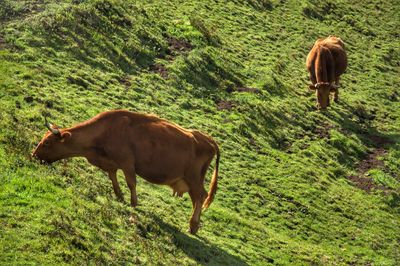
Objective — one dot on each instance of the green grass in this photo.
(283, 197)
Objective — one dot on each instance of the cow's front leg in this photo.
(130, 176)
(112, 174)
(336, 95)
(109, 167)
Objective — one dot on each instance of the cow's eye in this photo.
(46, 143)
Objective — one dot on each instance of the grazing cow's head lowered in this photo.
(322, 92)
(54, 145)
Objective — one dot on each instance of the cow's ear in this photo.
(312, 87)
(65, 136)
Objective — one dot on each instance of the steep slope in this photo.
(290, 189)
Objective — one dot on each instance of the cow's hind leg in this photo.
(198, 196)
(112, 174)
(130, 176)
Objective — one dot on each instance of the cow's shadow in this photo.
(199, 249)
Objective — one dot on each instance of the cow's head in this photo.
(322, 92)
(54, 145)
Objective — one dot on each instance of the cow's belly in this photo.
(162, 165)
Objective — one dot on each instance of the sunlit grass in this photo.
(283, 195)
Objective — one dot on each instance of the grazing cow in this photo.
(157, 150)
(326, 61)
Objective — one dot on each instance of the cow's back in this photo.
(338, 55)
(337, 49)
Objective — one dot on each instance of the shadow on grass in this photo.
(362, 128)
(199, 249)
(358, 121)
(394, 201)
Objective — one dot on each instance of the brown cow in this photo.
(157, 150)
(326, 61)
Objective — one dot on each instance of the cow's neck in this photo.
(83, 138)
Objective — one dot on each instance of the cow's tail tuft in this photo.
(214, 180)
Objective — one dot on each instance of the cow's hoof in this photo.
(194, 227)
(193, 230)
(336, 100)
(133, 204)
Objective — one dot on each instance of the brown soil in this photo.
(361, 180)
(323, 131)
(372, 161)
(225, 105)
(245, 89)
(160, 69)
(175, 47)
(379, 141)
(178, 46)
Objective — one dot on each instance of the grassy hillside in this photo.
(297, 186)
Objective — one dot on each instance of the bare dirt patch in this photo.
(379, 141)
(160, 69)
(361, 180)
(226, 105)
(246, 89)
(372, 161)
(323, 131)
(238, 88)
(176, 46)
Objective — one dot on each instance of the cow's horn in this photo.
(50, 127)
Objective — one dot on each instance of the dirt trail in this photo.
(160, 69)
(361, 180)
(226, 105)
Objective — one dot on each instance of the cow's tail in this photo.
(214, 180)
